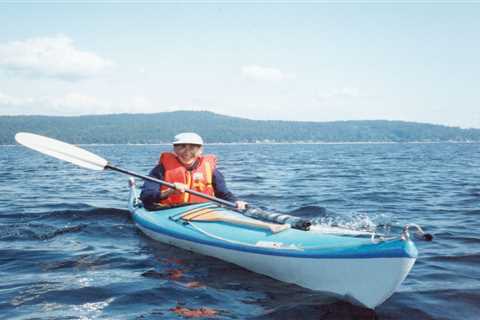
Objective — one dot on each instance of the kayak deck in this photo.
(290, 242)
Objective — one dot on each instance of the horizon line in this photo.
(238, 117)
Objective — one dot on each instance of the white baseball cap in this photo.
(187, 138)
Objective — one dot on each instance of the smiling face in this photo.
(187, 153)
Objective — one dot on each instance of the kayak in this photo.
(364, 271)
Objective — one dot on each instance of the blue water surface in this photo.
(69, 250)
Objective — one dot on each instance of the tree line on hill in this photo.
(216, 128)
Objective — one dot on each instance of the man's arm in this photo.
(151, 190)
(220, 187)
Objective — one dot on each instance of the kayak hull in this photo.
(352, 269)
(368, 282)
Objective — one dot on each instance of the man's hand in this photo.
(180, 187)
(241, 205)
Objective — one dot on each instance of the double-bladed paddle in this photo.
(86, 159)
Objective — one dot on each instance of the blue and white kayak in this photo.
(362, 270)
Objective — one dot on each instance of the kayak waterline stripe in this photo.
(393, 249)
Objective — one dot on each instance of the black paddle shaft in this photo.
(171, 185)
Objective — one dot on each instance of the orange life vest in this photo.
(198, 178)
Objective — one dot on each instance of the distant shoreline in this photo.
(269, 143)
(160, 128)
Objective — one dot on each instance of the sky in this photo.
(265, 61)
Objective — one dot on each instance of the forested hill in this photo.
(161, 127)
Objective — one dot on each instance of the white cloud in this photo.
(76, 103)
(264, 73)
(52, 57)
(71, 104)
(68, 104)
(6, 100)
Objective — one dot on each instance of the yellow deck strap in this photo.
(214, 215)
(190, 215)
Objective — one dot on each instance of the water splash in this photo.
(379, 223)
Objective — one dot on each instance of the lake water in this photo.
(69, 250)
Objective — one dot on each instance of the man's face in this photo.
(187, 152)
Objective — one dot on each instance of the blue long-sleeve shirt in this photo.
(151, 191)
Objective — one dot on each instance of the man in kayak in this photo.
(186, 168)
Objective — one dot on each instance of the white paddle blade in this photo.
(61, 150)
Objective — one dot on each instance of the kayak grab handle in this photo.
(419, 233)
